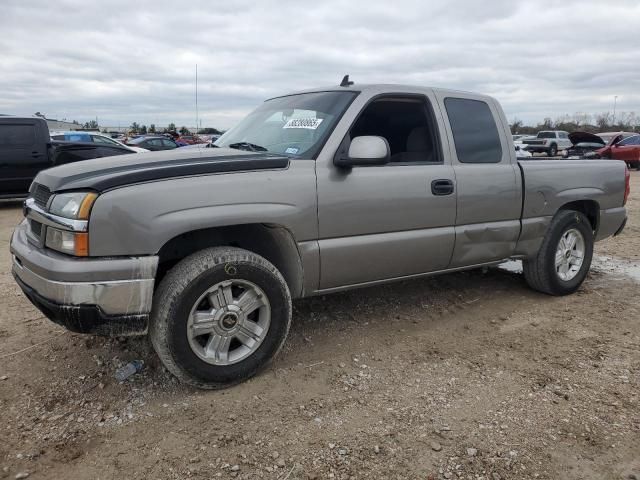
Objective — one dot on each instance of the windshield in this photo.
(296, 125)
(546, 134)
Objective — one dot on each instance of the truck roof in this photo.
(14, 118)
(381, 88)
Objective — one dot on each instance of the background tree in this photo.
(134, 127)
(547, 124)
(171, 127)
(209, 131)
(152, 128)
(580, 118)
(184, 130)
(516, 125)
(603, 120)
(143, 129)
(92, 125)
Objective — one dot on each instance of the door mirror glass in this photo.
(366, 150)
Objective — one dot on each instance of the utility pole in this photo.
(196, 132)
(615, 101)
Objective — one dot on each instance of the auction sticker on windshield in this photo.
(308, 123)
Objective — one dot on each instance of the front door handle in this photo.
(442, 187)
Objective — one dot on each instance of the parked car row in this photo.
(26, 148)
(610, 145)
(92, 137)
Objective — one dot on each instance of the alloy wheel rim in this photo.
(569, 254)
(228, 322)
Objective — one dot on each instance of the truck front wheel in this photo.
(564, 258)
(219, 316)
(553, 150)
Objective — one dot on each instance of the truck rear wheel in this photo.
(219, 316)
(564, 258)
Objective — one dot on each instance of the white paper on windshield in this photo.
(307, 123)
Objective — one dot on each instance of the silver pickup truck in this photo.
(312, 193)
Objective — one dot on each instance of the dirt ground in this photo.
(469, 375)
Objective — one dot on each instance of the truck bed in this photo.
(551, 184)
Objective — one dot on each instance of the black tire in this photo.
(183, 286)
(540, 271)
(553, 150)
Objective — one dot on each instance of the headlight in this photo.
(72, 243)
(74, 205)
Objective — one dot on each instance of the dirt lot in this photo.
(470, 375)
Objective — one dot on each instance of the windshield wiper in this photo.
(252, 147)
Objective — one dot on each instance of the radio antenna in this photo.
(345, 81)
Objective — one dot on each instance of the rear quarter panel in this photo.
(550, 184)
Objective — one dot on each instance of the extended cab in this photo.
(549, 142)
(26, 148)
(312, 193)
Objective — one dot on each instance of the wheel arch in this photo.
(271, 241)
(590, 209)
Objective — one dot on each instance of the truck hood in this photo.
(111, 172)
(584, 137)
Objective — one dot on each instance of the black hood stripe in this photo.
(113, 177)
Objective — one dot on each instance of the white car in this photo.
(95, 137)
(549, 142)
(520, 138)
(522, 153)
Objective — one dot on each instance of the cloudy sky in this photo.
(126, 61)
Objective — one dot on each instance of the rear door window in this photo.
(15, 134)
(474, 129)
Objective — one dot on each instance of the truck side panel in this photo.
(551, 184)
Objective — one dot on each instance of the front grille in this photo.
(41, 195)
(36, 228)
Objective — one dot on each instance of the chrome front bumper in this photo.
(115, 286)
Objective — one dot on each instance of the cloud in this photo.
(125, 62)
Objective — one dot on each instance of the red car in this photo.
(627, 149)
(190, 139)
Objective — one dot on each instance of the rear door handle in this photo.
(36, 154)
(442, 187)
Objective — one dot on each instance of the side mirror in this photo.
(365, 150)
